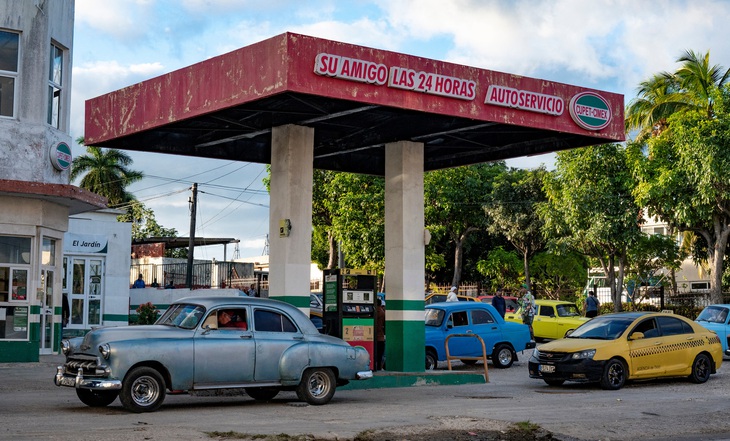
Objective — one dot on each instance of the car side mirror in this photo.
(636, 336)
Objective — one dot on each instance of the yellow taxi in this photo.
(614, 348)
(553, 319)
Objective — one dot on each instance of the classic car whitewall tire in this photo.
(143, 390)
(317, 386)
(97, 398)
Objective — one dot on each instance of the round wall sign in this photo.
(61, 156)
(590, 111)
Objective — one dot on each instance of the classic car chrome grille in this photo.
(88, 364)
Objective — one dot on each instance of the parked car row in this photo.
(265, 346)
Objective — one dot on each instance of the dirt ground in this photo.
(450, 429)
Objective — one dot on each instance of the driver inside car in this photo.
(232, 319)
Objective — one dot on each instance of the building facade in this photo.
(36, 38)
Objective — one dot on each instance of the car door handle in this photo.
(246, 336)
(658, 343)
(298, 337)
(691, 337)
(494, 328)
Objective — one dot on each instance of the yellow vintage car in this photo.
(553, 319)
(614, 348)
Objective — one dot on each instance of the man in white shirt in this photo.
(451, 296)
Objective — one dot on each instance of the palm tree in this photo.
(666, 93)
(106, 173)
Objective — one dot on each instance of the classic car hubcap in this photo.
(505, 355)
(318, 384)
(145, 391)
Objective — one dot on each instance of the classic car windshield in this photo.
(713, 314)
(434, 317)
(567, 311)
(603, 328)
(182, 315)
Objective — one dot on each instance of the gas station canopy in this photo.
(357, 99)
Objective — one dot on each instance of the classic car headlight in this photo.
(587, 354)
(105, 350)
(65, 347)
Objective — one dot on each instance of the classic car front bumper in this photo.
(79, 382)
(364, 375)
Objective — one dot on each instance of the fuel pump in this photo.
(349, 307)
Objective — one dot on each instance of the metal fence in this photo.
(205, 275)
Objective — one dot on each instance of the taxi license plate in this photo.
(546, 368)
(68, 381)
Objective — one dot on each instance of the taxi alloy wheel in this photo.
(701, 369)
(614, 375)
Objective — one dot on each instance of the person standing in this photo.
(591, 304)
(451, 296)
(379, 335)
(252, 291)
(65, 311)
(139, 283)
(528, 306)
(499, 303)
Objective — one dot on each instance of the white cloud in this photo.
(119, 18)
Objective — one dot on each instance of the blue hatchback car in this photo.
(716, 318)
(502, 339)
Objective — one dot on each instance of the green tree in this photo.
(145, 226)
(591, 210)
(559, 274)
(324, 246)
(356, 204)
(512, 212)
(502, 268)
(454, 199)
(683, 178)
(106, 173)
(650, 257)
(664, 94)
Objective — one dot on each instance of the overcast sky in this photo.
(602, 44)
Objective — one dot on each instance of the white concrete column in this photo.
(292, 150)
(405, 256)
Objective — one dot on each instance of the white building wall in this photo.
(26, 139)
(115, 303)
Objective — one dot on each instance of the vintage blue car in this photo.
(501, 339)
(205, 343)
(717, 318)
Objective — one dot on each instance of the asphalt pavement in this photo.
(33, 408)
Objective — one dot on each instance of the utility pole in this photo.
(191, 244)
